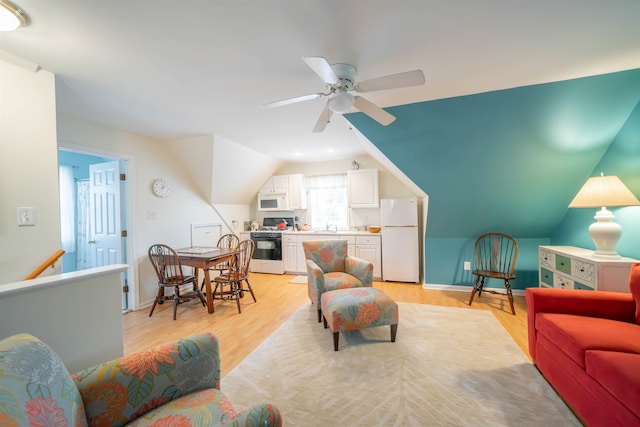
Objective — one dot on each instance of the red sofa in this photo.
(587, 345)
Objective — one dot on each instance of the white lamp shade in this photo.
(603, 191)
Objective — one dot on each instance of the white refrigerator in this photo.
(400, 240)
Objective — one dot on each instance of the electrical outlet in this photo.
(467, 265)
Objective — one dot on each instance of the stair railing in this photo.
(48, 263)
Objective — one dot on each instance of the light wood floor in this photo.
(240, 334)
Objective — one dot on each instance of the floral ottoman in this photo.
(358, 308)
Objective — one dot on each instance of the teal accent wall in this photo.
(623, 160)
(511, 161)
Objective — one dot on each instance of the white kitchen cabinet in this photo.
(295, 262)
(568, 267)
(277, 184)
(289, 253)
(369, 249)
(297, 192)
(363, 188)
(301, 261)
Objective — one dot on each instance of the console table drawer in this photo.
(563, 264)
(569, 267)
(585, 272)
(546, 276)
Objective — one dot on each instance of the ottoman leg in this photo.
(319, 315)
(336, 338)
(324, 320)
(394, 330)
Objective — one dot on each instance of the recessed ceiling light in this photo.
(11, 16)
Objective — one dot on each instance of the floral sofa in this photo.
(329, 267)
(175, 384)
(587, 345)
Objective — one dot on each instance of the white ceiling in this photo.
(172, 69)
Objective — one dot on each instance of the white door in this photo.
(104, 207)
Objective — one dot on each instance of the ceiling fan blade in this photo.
(373, 111)
(321, 68)
(324, 118)
(293, 100)
(392, 81)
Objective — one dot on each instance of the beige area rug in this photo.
(448, 367)
(299, 279)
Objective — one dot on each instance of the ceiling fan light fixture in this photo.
(341, 102)
(11, 16)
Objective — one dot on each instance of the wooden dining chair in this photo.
(226, 241)
(168, 268)
(229, 283)
(495, 255)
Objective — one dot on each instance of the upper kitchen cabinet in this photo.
(363, 188)
(277, 184)
(297, 192)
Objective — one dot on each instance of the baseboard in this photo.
(464, 288)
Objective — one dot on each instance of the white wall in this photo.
(389, 187)
(77, 314)
(190, 168)
(226, 173)
(28, 170)
(155, 220)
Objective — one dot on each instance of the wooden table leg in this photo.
(207, 282)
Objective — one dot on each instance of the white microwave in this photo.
(273, 202)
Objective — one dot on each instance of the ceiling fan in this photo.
(340, 80)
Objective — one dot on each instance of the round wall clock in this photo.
(161, 188)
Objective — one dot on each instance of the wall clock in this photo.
(161, 188)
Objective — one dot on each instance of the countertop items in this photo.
(338, 233)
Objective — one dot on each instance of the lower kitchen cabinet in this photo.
(370, 248)
(301, 263)
(569, 267)
(289, 253)
(365, 247)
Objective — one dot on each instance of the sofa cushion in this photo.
(634, 287)
(576, 334)
(619, 373)
(35, 387)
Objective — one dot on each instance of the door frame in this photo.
(128, 197)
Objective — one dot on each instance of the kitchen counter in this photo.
(339, 233)
(361, 244)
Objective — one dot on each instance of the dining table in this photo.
(205, 258)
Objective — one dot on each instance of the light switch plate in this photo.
(26, 216)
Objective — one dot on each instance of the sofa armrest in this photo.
(119, 391)
(359, 268)
(315, 280)
(608, 305)
(263, 415)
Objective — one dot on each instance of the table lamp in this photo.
(602, 191)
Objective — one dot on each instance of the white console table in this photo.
(569, 267)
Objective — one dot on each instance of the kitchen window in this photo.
(327, 202)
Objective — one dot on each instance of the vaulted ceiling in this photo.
(178, 69)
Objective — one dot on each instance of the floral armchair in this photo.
(330, 268)
(175, 384)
